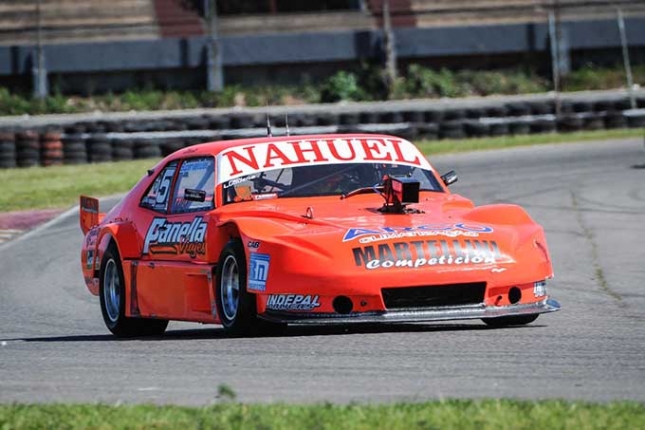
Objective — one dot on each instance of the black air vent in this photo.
(434, 295)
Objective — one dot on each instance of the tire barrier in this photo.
(74, 148)
(122, 150)
(147, 149)
(27, 148)
(99, 148)
(7, 150)
(105, 140)
(51, 149)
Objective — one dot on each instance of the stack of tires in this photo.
(28, 148)
(99, 148)
(147, 149)
(74, 150)
(122, 150)
(7, 150)
(51, 149)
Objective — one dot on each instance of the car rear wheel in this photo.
(112, 297)
(508, 321)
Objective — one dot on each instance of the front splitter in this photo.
(444, 313)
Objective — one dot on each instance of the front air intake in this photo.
(434, 295)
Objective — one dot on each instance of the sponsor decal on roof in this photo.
(245, 160)
(258, 271)
(368, 235)
(176, 238)
(420, 253)
(292, 302)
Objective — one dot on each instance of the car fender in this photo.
(507, 214)
(125, 238)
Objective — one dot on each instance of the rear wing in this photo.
(89, 213)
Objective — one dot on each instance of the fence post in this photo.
(628, 66)
(39, 71)
(555, 61)
(214, 72)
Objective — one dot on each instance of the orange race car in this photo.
(322, 229)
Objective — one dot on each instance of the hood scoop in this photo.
(398, 193)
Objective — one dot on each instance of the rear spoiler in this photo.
(89, 213)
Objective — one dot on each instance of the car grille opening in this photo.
(434, 295)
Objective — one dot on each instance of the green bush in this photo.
(367, 83)
(424, 82)
(341, 86)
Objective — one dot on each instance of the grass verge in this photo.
(449, 414)
(60, 186)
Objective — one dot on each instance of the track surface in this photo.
(54, 347)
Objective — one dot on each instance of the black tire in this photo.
(542, 126)
(112, 298)
(348, 118)
(235, 306)
(241, 121)
(452, 130)
(327, 119)
(518, 109)
(219, 123)
(519, 127)
(510, 321)
(391, 117)
(302, 120)
(541, 108)
(615, 119)
(414, 116)
(496, 111)
(147, 150)
(8, 163)
(368, 117)
(498, 129)
(243, 320)
(476, 128)
(454, 114)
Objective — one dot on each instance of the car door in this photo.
(175, 238)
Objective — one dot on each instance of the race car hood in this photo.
(443, 231)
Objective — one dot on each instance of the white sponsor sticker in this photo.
(245, 160)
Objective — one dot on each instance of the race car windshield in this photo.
(321, 180)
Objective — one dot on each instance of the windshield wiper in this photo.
(378, 189)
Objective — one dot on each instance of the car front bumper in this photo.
(444, 313)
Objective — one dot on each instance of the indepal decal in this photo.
(293, 302)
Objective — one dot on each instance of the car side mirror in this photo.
(449, 178)
(193, 195)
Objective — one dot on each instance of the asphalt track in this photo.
(590, 198)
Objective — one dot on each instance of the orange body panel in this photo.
(314, 249)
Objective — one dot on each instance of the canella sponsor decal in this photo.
(246, 160)
(292, 302)
(421, 253)
(176, 238)
(368, 235)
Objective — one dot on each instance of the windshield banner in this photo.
(248, 159)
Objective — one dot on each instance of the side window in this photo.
(195, 186)
(157, 196)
